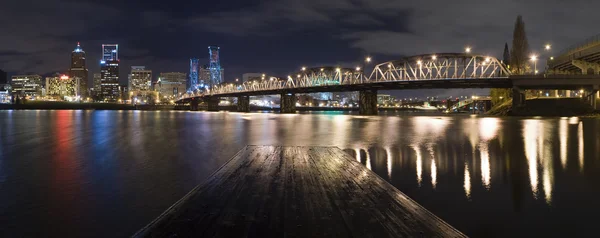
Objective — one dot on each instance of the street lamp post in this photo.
(534, 59)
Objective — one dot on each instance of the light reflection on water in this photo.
(119, 170)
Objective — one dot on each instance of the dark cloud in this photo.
(275, 36)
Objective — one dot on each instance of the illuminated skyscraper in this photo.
(62, 86)
(110, 52)
(216, 73)
(109, 73)
(192, 83)
(140, 79)
(97, 84)
(79, 70)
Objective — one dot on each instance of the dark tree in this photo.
(506, 56)
(520, 48)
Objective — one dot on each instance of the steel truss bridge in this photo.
(421, 71)
(428, 71)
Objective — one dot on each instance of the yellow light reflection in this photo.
(357, 155)
(388, 152)
(580, 144)
(563, 135)
(433, 173)
(573, 120)
(419, 164)
(530, 131)
(485, 165)
(488, 128)
(467, 184)
(368, 159)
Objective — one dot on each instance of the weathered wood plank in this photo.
(273, 191)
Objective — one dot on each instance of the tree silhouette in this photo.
(520, 48)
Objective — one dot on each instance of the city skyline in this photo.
(269, 43)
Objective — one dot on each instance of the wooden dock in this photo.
(274, 191)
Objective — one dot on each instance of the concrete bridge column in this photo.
(593, 98)
(194, 104)
(288, 103)
(212, 104)
(243, 104)
(586, 67)
(367, 102)
(518, 96)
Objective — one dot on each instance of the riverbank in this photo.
(46, 105)
(545, 107)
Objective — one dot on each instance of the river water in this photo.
(109, 173)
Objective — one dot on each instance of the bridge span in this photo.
(430, 71)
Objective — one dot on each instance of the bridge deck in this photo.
(267, 191)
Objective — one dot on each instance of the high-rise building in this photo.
(109, 78)
(27, 85)
(109, 73)
(216, 72)
(3, 77)
(140, 78)
(110, 52)
(79, 70)
(193, 83)
(96, 84)
(169, 90)
(204, 76)
(63, 86)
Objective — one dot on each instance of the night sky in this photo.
(276, 36)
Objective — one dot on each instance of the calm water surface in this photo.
(109, 173)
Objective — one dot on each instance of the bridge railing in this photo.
(594, 40)
(423, 67)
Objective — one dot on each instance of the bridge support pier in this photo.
(586, 67)
(518, 96)
(194, 104)
(367, 102)
(243, 104)
(593, 98)
(212, 104)
(288, 103)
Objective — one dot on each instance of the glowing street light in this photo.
(357, 68)
(434, 57)
(487, 59)
(322, 69)
(368, 59)
(303, 68)
(547, 47)
(419, 62)
(237, 80)
(337, 70)
(551, 57)
(534, 59)
(468, 49)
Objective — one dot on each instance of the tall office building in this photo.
(110, 52)
(63, 86)
(3, 77)
(96, 84)
(140, 79)
(109, 73)
(193, 83)
(27, 85)
(79, 70)
(216, 72)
